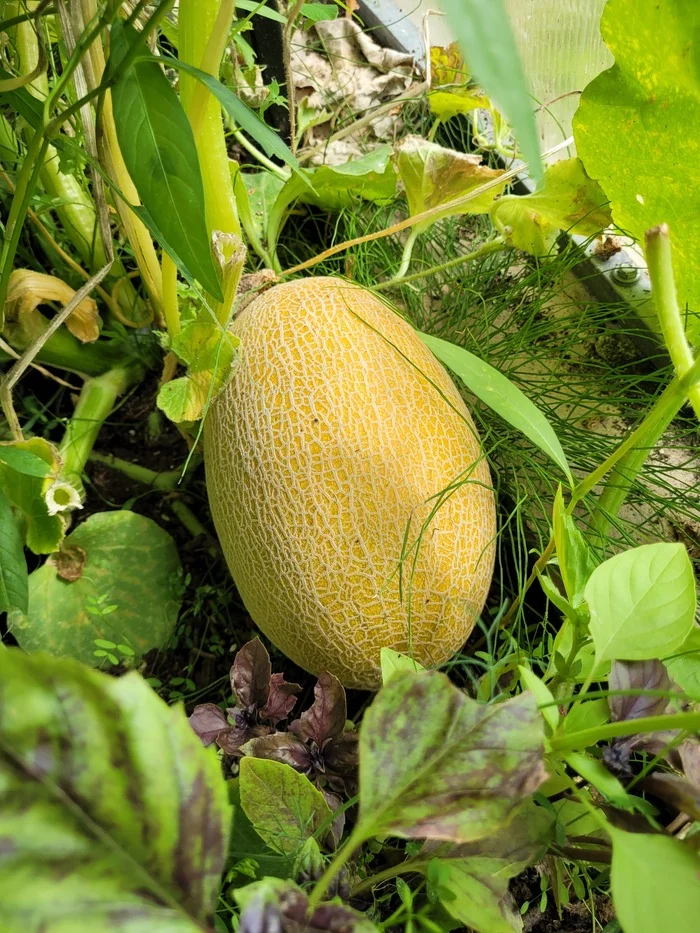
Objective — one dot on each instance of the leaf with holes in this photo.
(128, 593)
(157, 143)
(501, 396)
(642, 602)
(93, 835)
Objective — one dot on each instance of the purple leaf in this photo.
(637, 675)
(341, 759)
(250, 675)
(232, 739)
(281, 700)
(676, 790)
(208, 721)
(689, 752)
(336, 918)
(338, 824)
(280, 746)
(325, 719)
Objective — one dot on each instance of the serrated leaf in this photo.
(436, 764)
(684, 664)
(43, 531)
(633, 130)
(283, 806)
(129, 559)
(112, 815)
(158, 147)
(501, 396)
(432, 175)
(333, 187)
(485, 36)
(566, 199)
(642, 602)
(655, 882)
(13, 567)
(393, 662)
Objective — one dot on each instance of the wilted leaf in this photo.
(28, 289)
(436, 764)
(684, 664)
(501, 395)
(432, 175)
(43, 529)
(13, 566)
(325, 718)
(69, 562)
(94, 835)
(283, 805)
(575, 555)
(129, 592)
(208, 353)
(333, 187)
(208, 721)
(447, 104)
(447, 65)
(566, 199)
(632, 130)
(638, 675)
(642, 602)
(393, 662)
(654, 883)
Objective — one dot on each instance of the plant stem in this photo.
(405, 257)
(491, 246)
(95, 404)
(404, 868)
(190, 521)
(257, 154)
(665, 298)
(204, 26)
(169, 295)
(352, 844)
(612, 730)
(166, 482)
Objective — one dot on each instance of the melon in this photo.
(347, 484)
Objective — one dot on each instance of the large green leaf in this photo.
(501, 395)
(112, 815)
(655, 883)
(23, 461)
(635, 129)
(283, 806)
(436, 764)
(642, 602)
(14, 586)
(371, 178)
(128, 591)
(566, 199)
(489, 48)
(157, 143)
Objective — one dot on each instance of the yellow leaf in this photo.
(28, 289)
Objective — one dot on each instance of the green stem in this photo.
(165, 482)
(663, 293)
(612, 730)
(26, 183)
(95, 404)
(256, 153)
(352, 844)
(491, 246)
(190, 521)
(404, 868)
(405, 257)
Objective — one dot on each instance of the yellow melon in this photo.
(347, 484)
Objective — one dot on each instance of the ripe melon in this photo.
(348, 488)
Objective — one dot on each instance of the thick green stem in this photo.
(613, 730)
(95, 404)
(165, 482)
(352, 844)
(663, 293)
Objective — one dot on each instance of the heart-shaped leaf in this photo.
(112, 815)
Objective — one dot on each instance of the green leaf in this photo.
(475, 897)
(501, 396)
(255, 193)
(489, 47)
(13, 567)
(432, 175)
(648, 103)
(318, 12)
(112, 815)
(436, 764)
(393, 662)
(447, 104)
(283, 806)
(642, 602)
(333, 187)
(23, 461)
(655, 883)
(131, 562)
(565, 199)
(595, 772)
(43, 532)
(157, 143)
(245, 843)
(553, 595)
(684, 664)
(542, 694)
(259, 8)
(563, 643)
(587, 715)
(208, 353)
(576, 558)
